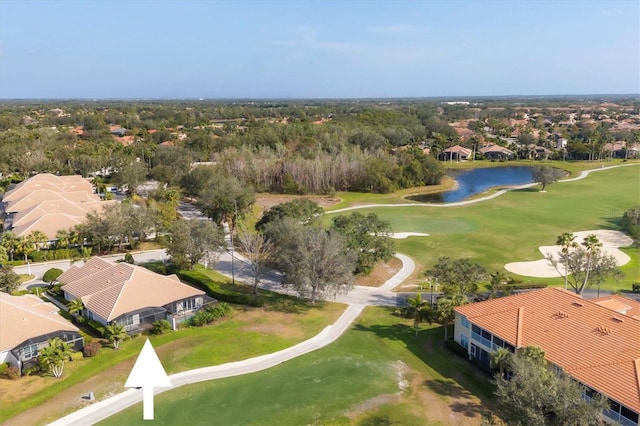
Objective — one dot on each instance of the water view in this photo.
(476, 181)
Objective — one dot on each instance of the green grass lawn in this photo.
(329, 386)
(510, 228)
(230, 340)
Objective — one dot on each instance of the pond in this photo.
(476, 181)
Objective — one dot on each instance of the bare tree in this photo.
(258, 249)
(586, 266)
(316, 262)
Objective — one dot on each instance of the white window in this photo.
(189, 304)
(30, 351)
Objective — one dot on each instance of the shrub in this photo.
(128, 258)
(159, 327)
(51, 275)
(210, 313)
(76, 356)
(635, 287)
(456, 348)
(3, 367)
(13, 373)
(91, 349)
(34, 369)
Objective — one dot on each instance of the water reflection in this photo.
(476, 181)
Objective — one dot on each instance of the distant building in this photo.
(455, 153)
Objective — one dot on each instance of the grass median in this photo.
(378, 372)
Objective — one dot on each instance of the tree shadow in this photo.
(532, 189)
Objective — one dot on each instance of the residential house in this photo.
(618, 149)
(130, 295)
(456, 152)
(117, 130)
(49, 203)
(596, 342)
(26, 325)
(496, 152)
(536, 152)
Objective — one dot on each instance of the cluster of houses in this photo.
(596, 342)
(119, 293)
(49, 203)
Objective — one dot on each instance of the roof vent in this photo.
(616, 319)
(562, 314)
(604, 331)
(578, 304)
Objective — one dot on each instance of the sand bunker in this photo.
(403, 235)
(610, 240)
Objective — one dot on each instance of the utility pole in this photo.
(233, 226)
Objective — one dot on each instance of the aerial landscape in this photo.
(360, 213)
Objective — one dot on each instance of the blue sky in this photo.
(317, 49)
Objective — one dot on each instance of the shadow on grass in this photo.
(534, 189)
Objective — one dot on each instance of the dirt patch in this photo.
(381, 273)
(266, 201)
(280, 323)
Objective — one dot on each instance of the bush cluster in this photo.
(13, 373)
(91, 349)
(159, 327)
(210, 314)
(60, 254)
(3, 367)
(34, 369)
(76, 356)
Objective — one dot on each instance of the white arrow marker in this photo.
(147, 373)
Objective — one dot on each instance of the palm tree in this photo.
(445, 307)
(501, 360)
(592, 246)
(419, 310)
(116, 334)
(75, 307)
(10, 243)
(39, 238)
(62, 239)
(26, 246)
(566, 240)
(55, 355)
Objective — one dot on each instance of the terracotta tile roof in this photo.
(619, 303)
(111, 290)
(26, 317)
(496, 148)
(458, 148)
(594, 344)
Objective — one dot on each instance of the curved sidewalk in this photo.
(104, 409)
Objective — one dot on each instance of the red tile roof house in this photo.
(130, 295)
(596, 342)
(456, 152)
(26, 325)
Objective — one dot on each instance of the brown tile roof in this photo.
(594, 344)
(115, 289)
(47, 181)
(36, 197)
(26, 317)
(496, 148)
(620, 303)
(458, 148)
